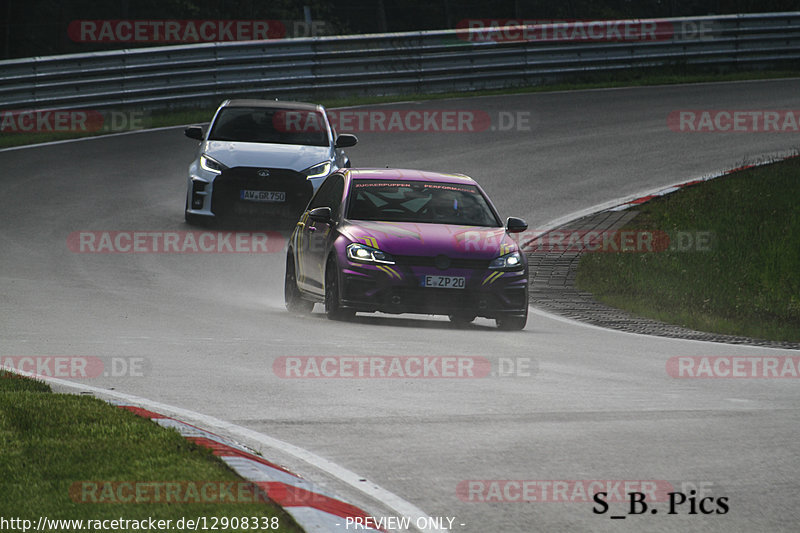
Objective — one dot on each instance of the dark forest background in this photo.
(39, 27)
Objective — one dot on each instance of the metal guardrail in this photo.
(382, 64)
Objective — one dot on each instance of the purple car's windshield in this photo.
(270, 125)
(419, 201)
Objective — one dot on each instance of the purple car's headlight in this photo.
(362, 253)
(512, 261)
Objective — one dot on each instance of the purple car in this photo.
(406, 241)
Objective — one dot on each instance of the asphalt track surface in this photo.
(598, 405)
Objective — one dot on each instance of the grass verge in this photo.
(137, 119)
(52, 443)
(743, 278)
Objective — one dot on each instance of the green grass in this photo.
(49, 442)
(748, 280)
(627, 78)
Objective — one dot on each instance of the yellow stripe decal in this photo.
(491, 278)
(389, 270)
(393, 271)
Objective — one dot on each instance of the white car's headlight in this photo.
(512, 261)
(318, 171)
(367, 254)
(211, 165)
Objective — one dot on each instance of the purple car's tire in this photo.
(333, 307)
(291, 294)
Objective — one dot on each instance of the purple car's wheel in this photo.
(291, 294)
(333, 306)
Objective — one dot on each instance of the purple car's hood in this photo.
(410, 238)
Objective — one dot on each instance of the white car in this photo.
(262, 159)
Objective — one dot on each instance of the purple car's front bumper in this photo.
(397, 288)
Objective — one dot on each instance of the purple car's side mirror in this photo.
(516, 225)
(320, 214)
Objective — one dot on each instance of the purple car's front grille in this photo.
(429, 261)
(432, 298)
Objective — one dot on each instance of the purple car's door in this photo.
(317, 234)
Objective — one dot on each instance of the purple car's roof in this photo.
(406, 175)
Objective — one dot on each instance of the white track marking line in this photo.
(571, 321)
(389, 499)
(88, 138)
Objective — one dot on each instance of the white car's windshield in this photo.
(270, 125)
(420, 201)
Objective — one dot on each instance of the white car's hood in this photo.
(244, 154)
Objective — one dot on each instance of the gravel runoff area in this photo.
(552, 288)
